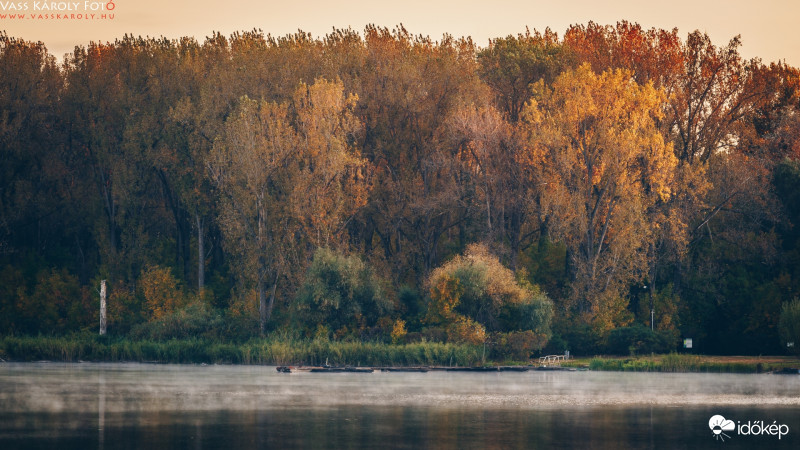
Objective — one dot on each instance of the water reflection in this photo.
(101, 409)
(117, 406)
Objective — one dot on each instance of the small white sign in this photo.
(790, 344)
(687, 343)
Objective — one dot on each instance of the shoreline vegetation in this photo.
(612, 190)
(688, 363)
(316, 352)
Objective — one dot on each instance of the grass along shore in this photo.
(675, 362)
(277, 351)
(288, 351)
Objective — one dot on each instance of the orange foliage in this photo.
(466, 330)
(444, 298)
(609, 165)
(161, 292)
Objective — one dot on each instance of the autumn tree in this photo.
(710, 101)
(607, 166)
(775, 130)
(330, 185)
(725, 116)
(198, 116)
(271, 155)
(215, 75)
(474, 293)
(654, 55)
(503, 181)
(709, 89)
(409, 86)
(38, 188)
(162, 293)
(113, 132)
(167, 76)
(512, 66)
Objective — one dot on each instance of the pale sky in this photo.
(769, 28)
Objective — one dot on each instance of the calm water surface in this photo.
(116, 406)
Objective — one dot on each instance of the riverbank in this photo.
(270, 351)
(675, 362)
(282, 351)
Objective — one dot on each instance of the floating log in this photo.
(349, 369)
(514, 368)
(326, 369)
(342, 369)
(473, 369)
(556, 368)
(404, 369)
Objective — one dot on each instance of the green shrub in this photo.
(605, 364)
(56, 304)
(412, 306)
(556, 345)
(341, 293)
(516, 345)
(638, 339)
(581, 338)
(197, 320)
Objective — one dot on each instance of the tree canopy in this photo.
(256, 182)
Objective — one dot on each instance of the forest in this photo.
(613, 189)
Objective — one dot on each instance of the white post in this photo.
(652, 319)
(102, 307)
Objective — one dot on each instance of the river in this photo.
(120, 406)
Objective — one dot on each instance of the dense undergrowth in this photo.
(277, 350)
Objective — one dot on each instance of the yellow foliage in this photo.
(329, 185)
(466, 330)
(609, 312)
(444, 298)
(287, 171)
(667, 309)
(161, 292)
(501, 284)
(398, 331)
(474, 292)
(609, 171)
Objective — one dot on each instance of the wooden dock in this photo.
(421, 369)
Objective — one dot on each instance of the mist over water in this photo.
(92, 405)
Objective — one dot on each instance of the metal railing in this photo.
(552, 360)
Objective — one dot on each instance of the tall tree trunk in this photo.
(262, 304)
(111, 212)
(271, 303)
(488, 209)
(182, 224)
(201, 253)
(102, 307)
(513, 228)
(187, 246)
